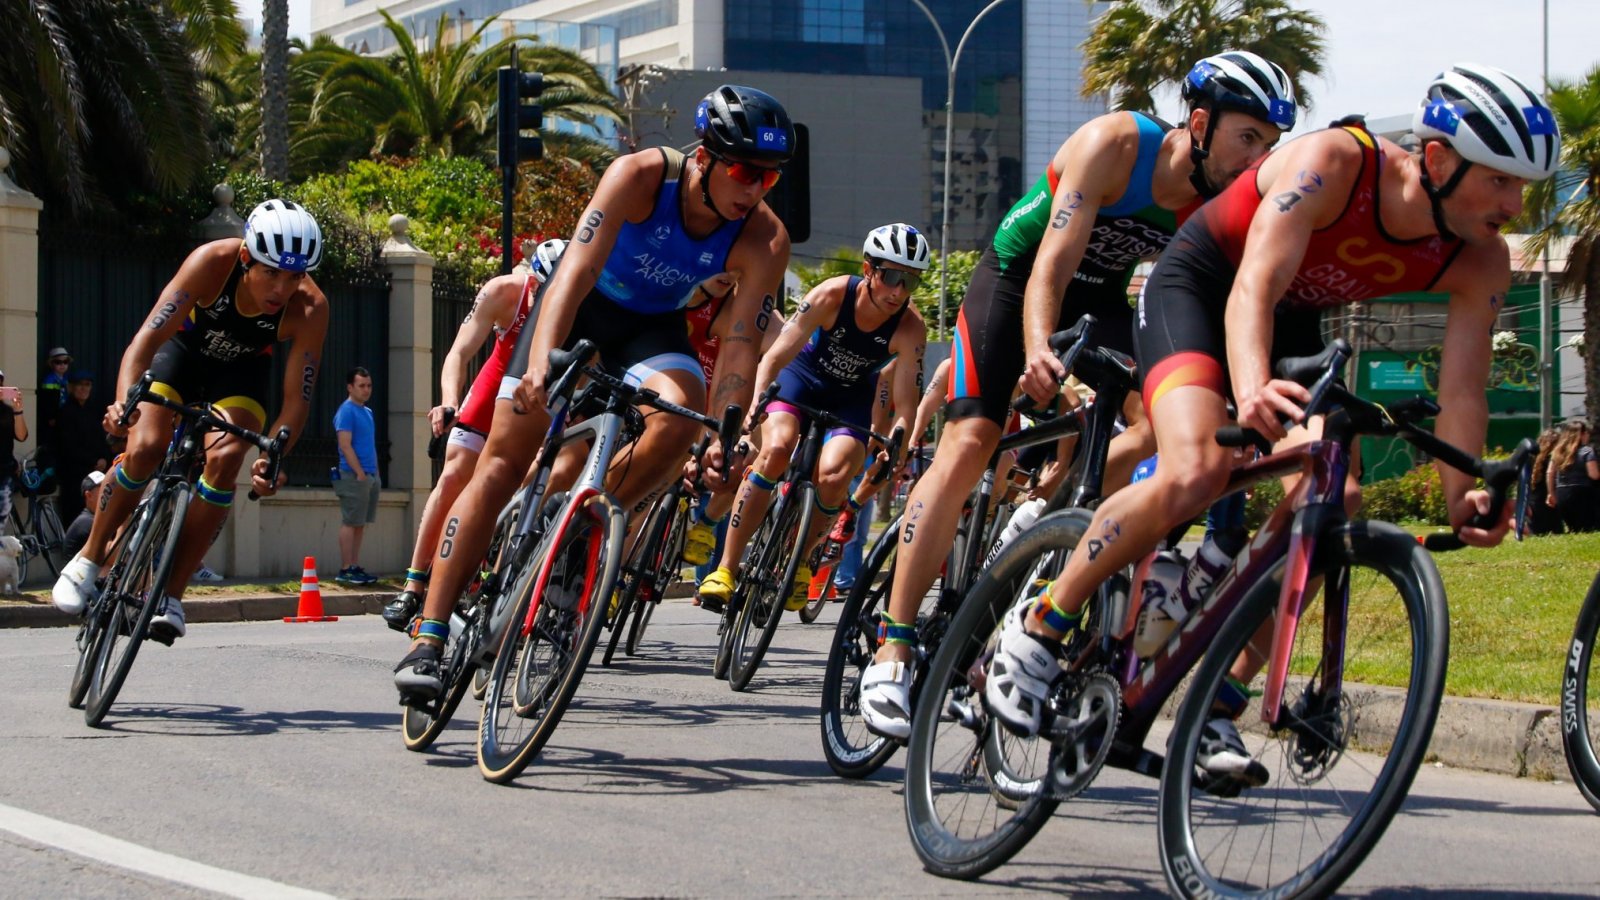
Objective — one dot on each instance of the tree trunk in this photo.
(275, 90)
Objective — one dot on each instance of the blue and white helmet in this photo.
(1244, 82)
(283, 235)
(544, 258)
(897, 243)
(1490, 117)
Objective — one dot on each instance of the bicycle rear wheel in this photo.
(769, 588)
(964, 817)
(1339, 760)
(133, 592)
(1579, 719)
(851, 750)
(637, 573)
(664, 573)
(20, 533)
(52, 538)
(536, 673)
(419, 726)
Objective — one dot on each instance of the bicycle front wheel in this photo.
(537, 669)
(1339, 757)
(769, 589)
(1579, 721)
(133, 591)
(664, 573)
(637, 573)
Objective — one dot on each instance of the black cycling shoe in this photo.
(418, 676)
(399, 612)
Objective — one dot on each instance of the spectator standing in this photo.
(13, 428)
(357, 486)
(1575, 472)
(53, 390)
(79, 443)
(1542, 515)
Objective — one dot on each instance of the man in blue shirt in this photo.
(357, 485)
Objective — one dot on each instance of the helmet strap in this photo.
(1437, 194)
(1200, 151)
(705, 189)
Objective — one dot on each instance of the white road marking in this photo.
(124, 855)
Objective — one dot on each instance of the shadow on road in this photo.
(207, 720)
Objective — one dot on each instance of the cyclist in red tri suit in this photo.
(1335, 217)
(210, 338)
(501, 308)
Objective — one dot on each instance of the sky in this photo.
(1382, 53)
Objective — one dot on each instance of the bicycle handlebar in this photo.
(1068, 345)
(274, 447)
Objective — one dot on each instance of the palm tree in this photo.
(103, 98)
(1140, 45)
(440, 101)
(1574, 194)
(275, 89)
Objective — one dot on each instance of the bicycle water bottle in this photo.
(1021, 520)
(1160, 605)
(458, 625)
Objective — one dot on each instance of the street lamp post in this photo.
(1546, 356)
(950, 63)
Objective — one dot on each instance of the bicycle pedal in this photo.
(162, 635)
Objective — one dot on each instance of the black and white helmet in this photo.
(745, 122)
(1491, 118)
(544, 258)
(1244, 82)
(283, 235)
(897, 243)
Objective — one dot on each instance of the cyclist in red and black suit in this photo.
(1336, 217)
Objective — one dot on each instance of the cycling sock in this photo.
(828, 511)
(892, 632)
(434, 629)
(1232, 698)
(212, 495)
(1054, 617)
(761, 481)
(420, 576)
(128, 483)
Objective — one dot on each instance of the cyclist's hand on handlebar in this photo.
(712, 464)
(530, 393)
(258, 479)
(1261, 409)
(440, 418)
(113, 413)
(1477, 503)
(1043, 375)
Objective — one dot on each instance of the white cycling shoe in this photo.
(1020, 675)
(168, 622)
(75, 586)
(886, 699)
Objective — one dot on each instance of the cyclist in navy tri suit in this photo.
(660, 223)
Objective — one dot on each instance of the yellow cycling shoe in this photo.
(698, 544)
(715, 590)
(799, 591)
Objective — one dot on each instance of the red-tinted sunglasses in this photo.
(748, 174)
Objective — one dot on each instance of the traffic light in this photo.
(515, 116)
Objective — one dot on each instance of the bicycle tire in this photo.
(1577, 740)
(572, 633)
(814, 607)
(949, 708)
(52, 539)
(851, 750)
(636, 571)
(88, 637)
(664, 575)
(19, 531)
(728, 622)
(147, 573)
(1343, 770)
(781, 558)
(420, 727)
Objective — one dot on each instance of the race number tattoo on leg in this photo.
(449, 542)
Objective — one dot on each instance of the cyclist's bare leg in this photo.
(469, 525)
(932, 513)
(839, 461)
(203, 521)
(1193, 472)
(147, 447)
(459, 461)
(779, 435)
(1130, 447)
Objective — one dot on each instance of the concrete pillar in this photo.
(410, 367)
(223, 221)
(19, 293)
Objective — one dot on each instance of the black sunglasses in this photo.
(896, 277)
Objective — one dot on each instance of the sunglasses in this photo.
(896, 277)
(747, 174)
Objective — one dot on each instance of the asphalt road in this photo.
(262, 759)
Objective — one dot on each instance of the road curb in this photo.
(1518, 739)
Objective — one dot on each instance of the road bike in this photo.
(116, 620)
(562, 565)
(39, 530)
(1578, 720)
(1327, 601)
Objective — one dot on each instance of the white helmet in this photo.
(1242, 81)
(544, 258)
(284, 236)
(897, 243)
(1490, 117)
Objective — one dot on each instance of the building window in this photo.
(833, 22)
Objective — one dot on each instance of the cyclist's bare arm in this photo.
(1095, 165)
(909, 345)
(932, 399)
(202, 274)
(495, 308)
(1305, 187)
(819, 309)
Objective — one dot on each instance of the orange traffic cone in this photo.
(310, 596)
